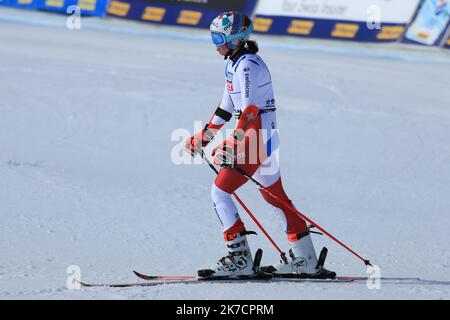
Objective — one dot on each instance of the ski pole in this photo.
(301, 215)
(283, 254)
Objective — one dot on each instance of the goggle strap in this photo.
(239, 35)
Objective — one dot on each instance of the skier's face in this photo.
(222, 50)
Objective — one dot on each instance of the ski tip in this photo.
(143, 276)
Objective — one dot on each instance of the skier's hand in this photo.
(195, 143)
(225, 153)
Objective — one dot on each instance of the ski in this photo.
(162, 278)
(259, 273)
(196, 280)
(293, 277)
(132, 284)
(169, 280)
(259, 276)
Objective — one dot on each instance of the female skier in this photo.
(253, 148)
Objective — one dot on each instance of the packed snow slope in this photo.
(87, 176)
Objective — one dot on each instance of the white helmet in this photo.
(231, 28)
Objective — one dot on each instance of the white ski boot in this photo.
(238, 264)
(302, 262)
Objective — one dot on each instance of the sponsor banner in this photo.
(430, 24)
(390, 11)
(191, 13)
(328, 29)
(361, 20)
(87, 7)
(26, 4)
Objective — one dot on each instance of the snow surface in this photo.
(86, 176)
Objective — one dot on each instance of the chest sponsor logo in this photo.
(247, 85)
(230, 81)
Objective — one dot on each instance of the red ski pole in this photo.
(301, 215)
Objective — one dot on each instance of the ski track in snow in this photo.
(86, 178)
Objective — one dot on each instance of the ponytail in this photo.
(251, 46)
(248, 46)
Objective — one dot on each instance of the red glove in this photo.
(225, 154)
(195, 143)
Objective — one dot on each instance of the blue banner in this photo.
(358, 20)
(25, 4)
(87, 7)
(190, 13)
(328, 29)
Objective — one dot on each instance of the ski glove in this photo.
(195, 143)
(226, 153)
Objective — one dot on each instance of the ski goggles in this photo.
(218, 38)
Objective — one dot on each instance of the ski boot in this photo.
(303, 262)
(238, 264)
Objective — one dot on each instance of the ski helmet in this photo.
(231, 28)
